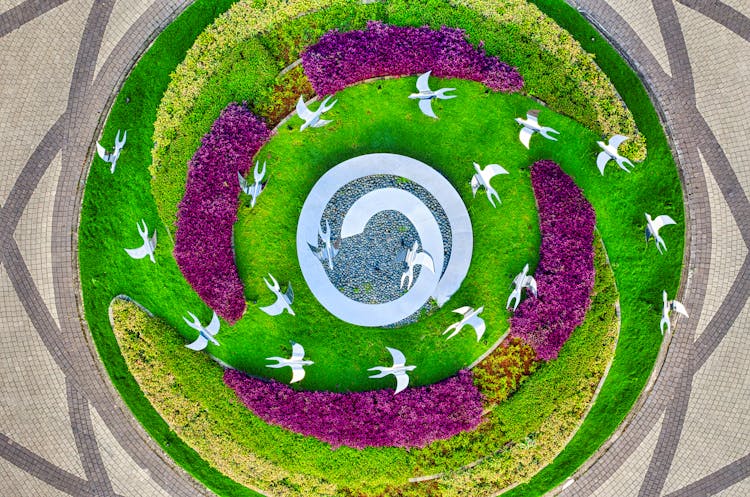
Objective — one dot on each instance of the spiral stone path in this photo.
(65, 431)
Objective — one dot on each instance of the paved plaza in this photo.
(65, 431)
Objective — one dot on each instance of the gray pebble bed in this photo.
(369, 266)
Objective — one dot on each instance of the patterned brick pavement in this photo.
(64, 430)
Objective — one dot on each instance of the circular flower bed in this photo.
(510, 444)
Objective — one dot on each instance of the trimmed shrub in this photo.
(565, 274)
(377, 418)
(206, 215)
(342, 59)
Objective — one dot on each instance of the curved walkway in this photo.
(65, 431)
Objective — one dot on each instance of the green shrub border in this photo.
(153, 71)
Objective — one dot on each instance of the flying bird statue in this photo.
(531, 126)
(330, 248)
(521, 281)
(471, 318)
(313, 119)
(283, 300)
(149, 244)
(412, 258)
(256, 188)
(295, 362)
(426, 96)
(205, 333)
(652, 229)
(609, 152)
(398, 370)
(483, 177)
(667, 307)
(112, 158)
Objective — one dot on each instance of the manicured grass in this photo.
(112, 206)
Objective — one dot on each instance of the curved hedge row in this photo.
(341, 59)
(565, 274)
(376, 418)
(207, 213)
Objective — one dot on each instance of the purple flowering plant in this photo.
(565, 274)
(376, 418)
(341, 59)
(207, 213)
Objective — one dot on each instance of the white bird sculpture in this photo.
(205, 333)
(471, 318)
(330, 249)
(610, 153)
(312, 119)
(112, 158)
(531, 126)
(521, 281)
(149, 244)
(652, 229)
(398, 370)
(256, 188)
(295, 362)
(483, 177)
(412, 259)
(667, 307)
(283, 300)
(426, 96)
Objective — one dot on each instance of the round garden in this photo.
(300, 253)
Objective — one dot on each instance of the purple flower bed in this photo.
(413, 418)
(341, 59)
(203, 241)
(565, 275)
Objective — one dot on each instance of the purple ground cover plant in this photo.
(341, 59)
(377, 418)
(203, 240)
(565, 274)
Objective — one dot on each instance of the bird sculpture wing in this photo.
(678, 307)
(426, 107)
(463, 310)
(423, 82)
(213, 327)
(402, 381)
(532, 115)
(140, 252)
(475, 184)
(525, 136)
(424, 260)
(398, 357)
(303, 111)
(663, 220)
(616, 141)
(298, 373)
(601, 161)
(276, 308)
(320, 123)
(199, 344)
(102, 152)
(478, 324)
(531, 284)
(493, 170)
(298, 352)
(289, 294)
(244, 185)
(152, 241)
